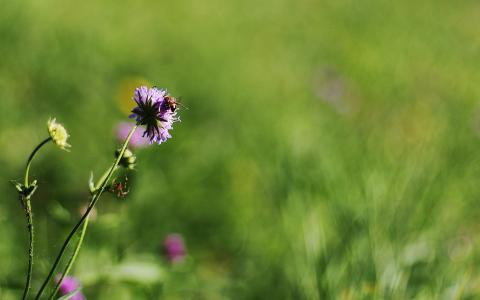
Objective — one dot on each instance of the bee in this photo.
(171, 103)
(120, 189)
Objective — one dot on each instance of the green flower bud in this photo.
(128, 160)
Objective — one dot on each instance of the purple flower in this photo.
(174, 248)
(156, 111)
(137, 140)
(70, 284)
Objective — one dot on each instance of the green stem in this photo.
(85, 215)
(28, 213)
(30, 158)
(72, 259)
(101, 179)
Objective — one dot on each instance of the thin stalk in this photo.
(30, 158)
(28, 213)
(72, 259)
(85, 215)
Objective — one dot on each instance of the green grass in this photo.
(330, 150)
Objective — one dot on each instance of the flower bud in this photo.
(58, 133)
(128, 160)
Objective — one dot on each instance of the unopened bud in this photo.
(128, 160)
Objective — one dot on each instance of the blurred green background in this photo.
(330, 149)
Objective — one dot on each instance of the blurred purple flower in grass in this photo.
(137, 140)
(174, 248)
(70, 284)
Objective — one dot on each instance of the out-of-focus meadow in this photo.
(331, 149)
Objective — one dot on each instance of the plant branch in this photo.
(85, 215)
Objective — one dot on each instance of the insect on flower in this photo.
(120, 189)
(172, 102)
(153, 112)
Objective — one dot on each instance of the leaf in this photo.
(17, 185)
(91, 184)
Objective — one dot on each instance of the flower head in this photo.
(68, 285)
(155, 112)
(58, 133)
(174, 248)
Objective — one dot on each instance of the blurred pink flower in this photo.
(174, 248)
(68, 285)
(137, 140)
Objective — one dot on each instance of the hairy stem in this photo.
(85, 215)
(28, 214)
(25, 200)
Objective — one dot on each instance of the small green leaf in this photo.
(91, 184)
(17, 185)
